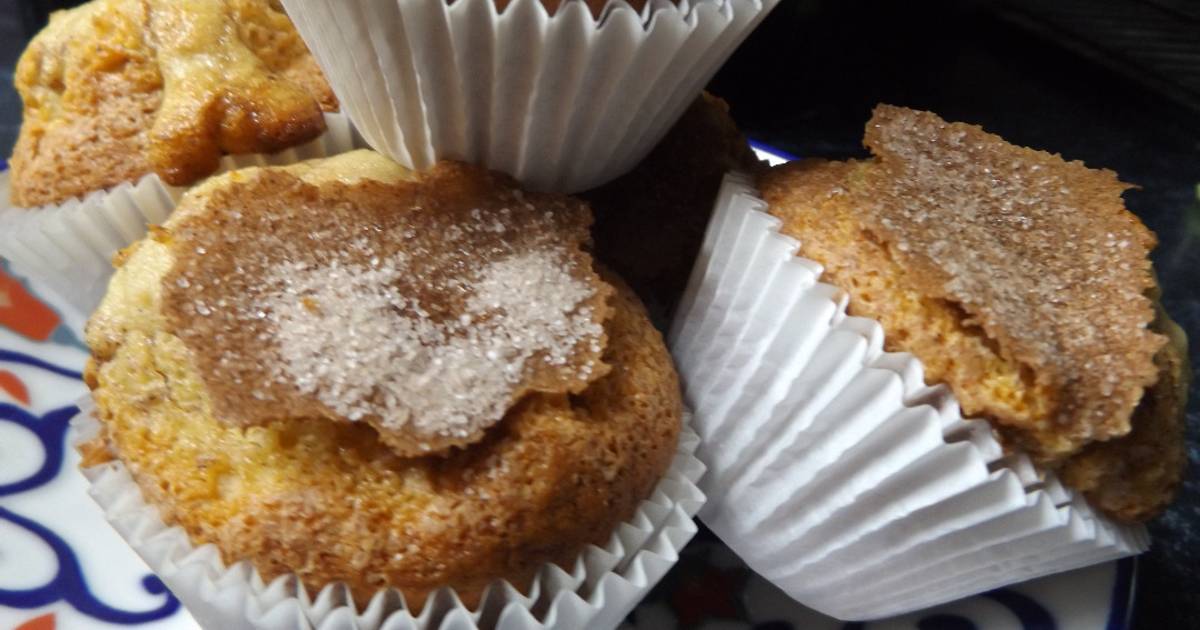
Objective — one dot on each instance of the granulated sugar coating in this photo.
(349, 336)
(425, 308)
(1038, 252)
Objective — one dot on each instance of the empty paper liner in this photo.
(562, 102)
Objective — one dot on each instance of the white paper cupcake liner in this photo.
(833, 470)
(562, 102)
(70, 246)
(598, 592)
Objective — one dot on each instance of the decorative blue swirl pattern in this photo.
(1030, 614)
(69, 584)
(1122, 595)
(946, 622)
(51, 430)
(11, 356)
(1033, 616)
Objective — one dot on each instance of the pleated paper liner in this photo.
(598, 591)
(833, 470)
(563, 102)
(70, 246)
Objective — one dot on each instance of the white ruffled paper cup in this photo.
(69, 246)
(563, 102)
(833, 470)
(596, 593)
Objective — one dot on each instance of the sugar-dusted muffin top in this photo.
(117, 89)
(1035, 257)
(331, 500)
(423, 305)
(1017, 278)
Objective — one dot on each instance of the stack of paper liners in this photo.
(832, 469)
(562, 102)
(598, 592)
(70, 246)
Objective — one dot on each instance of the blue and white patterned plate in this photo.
(62, 566)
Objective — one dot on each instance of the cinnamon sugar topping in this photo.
(1039, 252)
(426, 309)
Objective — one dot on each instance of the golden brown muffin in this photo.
(117, 89)
(331, 501)
(1015, 277)
(651, 221)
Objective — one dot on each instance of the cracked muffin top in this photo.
(117, 89)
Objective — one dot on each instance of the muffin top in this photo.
(352, 289)
(117, 89)
(1039, 252)
(1030, 264)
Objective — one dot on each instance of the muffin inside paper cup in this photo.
(347, 373)
(563, 101)
(833, 470)
(597, 591)
(126, 103)
(70, 246)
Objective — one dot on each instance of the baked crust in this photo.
(117, 89)
(822, 203)
(331, 501)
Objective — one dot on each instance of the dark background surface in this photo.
(1114, 83)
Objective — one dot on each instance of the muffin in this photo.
(564, 96)
(356, 374)
(650, 221)
(1017, 279)
(127, 102)
(116, 89)
(928, 374)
